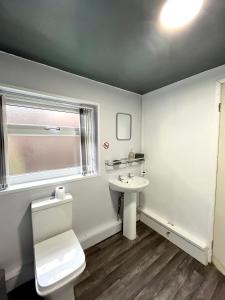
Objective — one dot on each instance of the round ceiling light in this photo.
(177, 13)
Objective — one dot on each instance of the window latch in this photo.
(52, 128)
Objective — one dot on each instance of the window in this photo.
(46, 139)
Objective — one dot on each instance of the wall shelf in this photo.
(126, 161)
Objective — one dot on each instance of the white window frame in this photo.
(38, 130)
(39, 100)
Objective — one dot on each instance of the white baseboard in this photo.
(99, 234)
(218, 265)
(138, 217)
(19, 275)
(22, 274)
(179, 237)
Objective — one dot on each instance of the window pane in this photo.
(35, 116)
(39, 153)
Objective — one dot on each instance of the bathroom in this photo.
(174, 118)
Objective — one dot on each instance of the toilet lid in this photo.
(57, 258)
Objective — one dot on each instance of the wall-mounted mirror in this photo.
(123, 126)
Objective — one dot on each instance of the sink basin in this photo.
(130, 187)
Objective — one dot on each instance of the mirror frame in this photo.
(117, 115)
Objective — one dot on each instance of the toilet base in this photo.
(65, 293)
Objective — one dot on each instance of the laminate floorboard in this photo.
(149, 267)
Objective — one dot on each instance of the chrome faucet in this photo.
(120, 178)
(130, 175)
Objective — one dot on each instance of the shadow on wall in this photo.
(26, 248)
(115, 197)
(142, 199)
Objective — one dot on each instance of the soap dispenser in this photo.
(131, 155)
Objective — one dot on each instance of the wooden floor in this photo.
(148, 268)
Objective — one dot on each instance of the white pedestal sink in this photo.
(130, 187)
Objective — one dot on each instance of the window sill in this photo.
(45, 183)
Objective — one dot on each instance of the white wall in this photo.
(94, 208)
(180, 132)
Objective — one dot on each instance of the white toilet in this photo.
(58, 255)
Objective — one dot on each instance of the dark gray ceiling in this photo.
(112, 41)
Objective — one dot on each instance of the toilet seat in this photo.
(58, 261)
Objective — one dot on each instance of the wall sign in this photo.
(106, 145)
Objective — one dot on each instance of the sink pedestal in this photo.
(129, 215)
